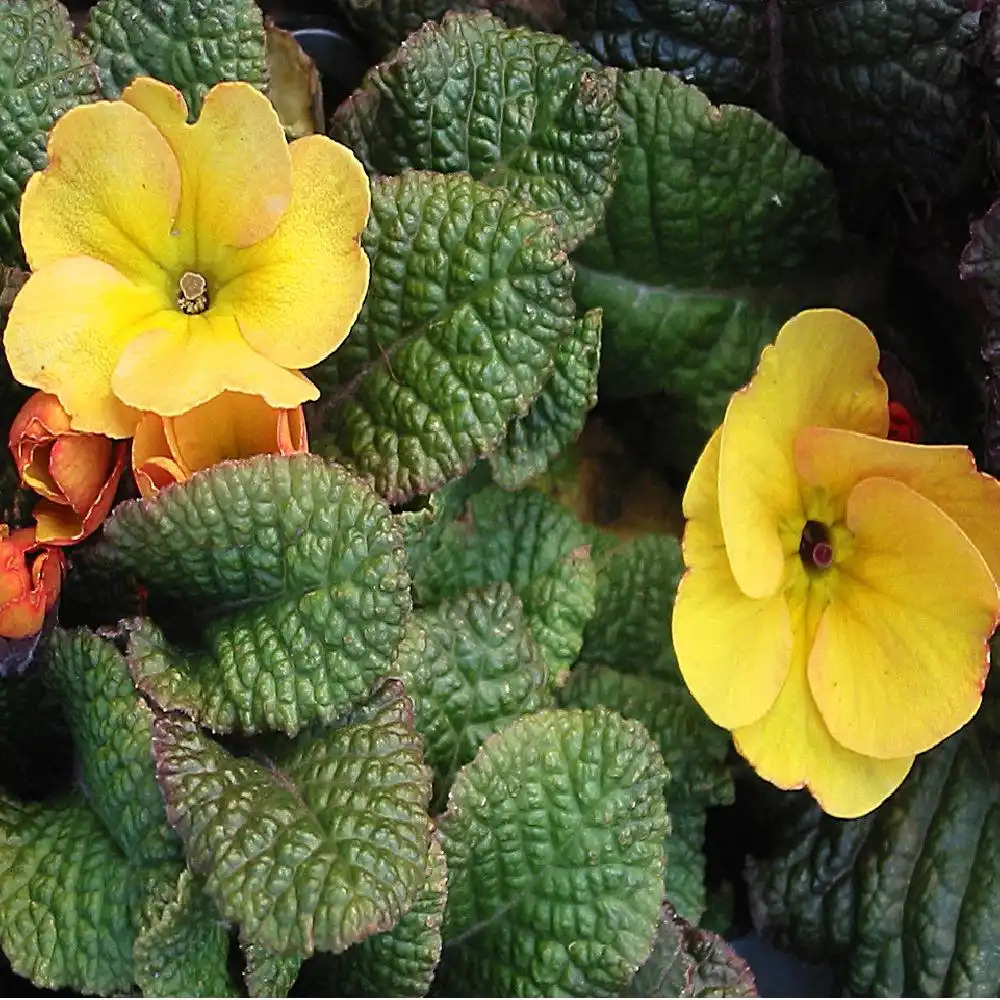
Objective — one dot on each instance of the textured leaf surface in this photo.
(292, 574)
(517, 109)
(903, 902)
(65, 898)
(318, 846)
(110, 725)
(536, 546)
(714, 206)
(396, 963)
(553, 837)
(267, 974)
(183, 946)
(688, 961)
(43, 73)
(473, 669)
(557, 416)
(470, 298)
(193, 44)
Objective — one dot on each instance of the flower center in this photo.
(192, 293)
(815, 549)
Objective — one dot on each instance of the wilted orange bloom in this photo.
(30, 579)
(76, 473)
(232, 425)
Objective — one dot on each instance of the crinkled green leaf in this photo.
(267, 974)
(714, 208)
(470, 298)
(43, 73)
(558, 414)
(315, 847)
(396, 963)
(471, 668)
(517, 109)
(553, 837)
(182, 947)
(65, 897)
(110, 724)
(688, 961)
(193, 44)
(532, 543)
(291, 575)
(904, 901)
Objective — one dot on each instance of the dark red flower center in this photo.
(815, 549)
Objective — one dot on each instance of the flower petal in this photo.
(297, 294)
(822, 370)
(213, 358)
(66, 331)
(111, 191)
(902, 650)
(80, 465)
(791, 747)
(733, 652)
(945, 474)
(236, 171)
(152, 465)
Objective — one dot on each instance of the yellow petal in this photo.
(182, 361)
(733, 652)
(236, 172)
(792, 748)
(66, 331)
(821, 371)
(902, 650)
(111, 191)
(945, 474)
(152, 464)
(296, 294)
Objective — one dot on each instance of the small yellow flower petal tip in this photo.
(214, 249)
(841, 586)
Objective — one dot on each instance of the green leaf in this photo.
(557, 416)
(554, 837)
(267, 974)
(536, 546)
(470, 298)
(714, 209)
(473, 669)
(316, 847)
(43, 73)
(110, 725)
(517, 109)
(688, 961)
(904, 901)
(396, 963)
(183, 947)
(193, 44)
(291, 574)
(65, 898)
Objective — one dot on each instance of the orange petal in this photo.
(152, 463)
(821, 371)
(902, 650)
(296, 294)
(111, 191)
(80, 465)
(837, 460)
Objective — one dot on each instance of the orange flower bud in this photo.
(30, 579)
(232, 425)
(76, 473)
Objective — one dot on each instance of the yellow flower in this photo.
(232, 425)
(173, 262)
(840, 588)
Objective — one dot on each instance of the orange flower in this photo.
(30, 578)
(232, 425)
(76, 473)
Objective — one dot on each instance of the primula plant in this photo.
(349, 645)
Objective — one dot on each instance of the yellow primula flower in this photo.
(841, 588)
(176, 261)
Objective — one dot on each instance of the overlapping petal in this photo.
(906, 634)
(297, 293)
(822, 370)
